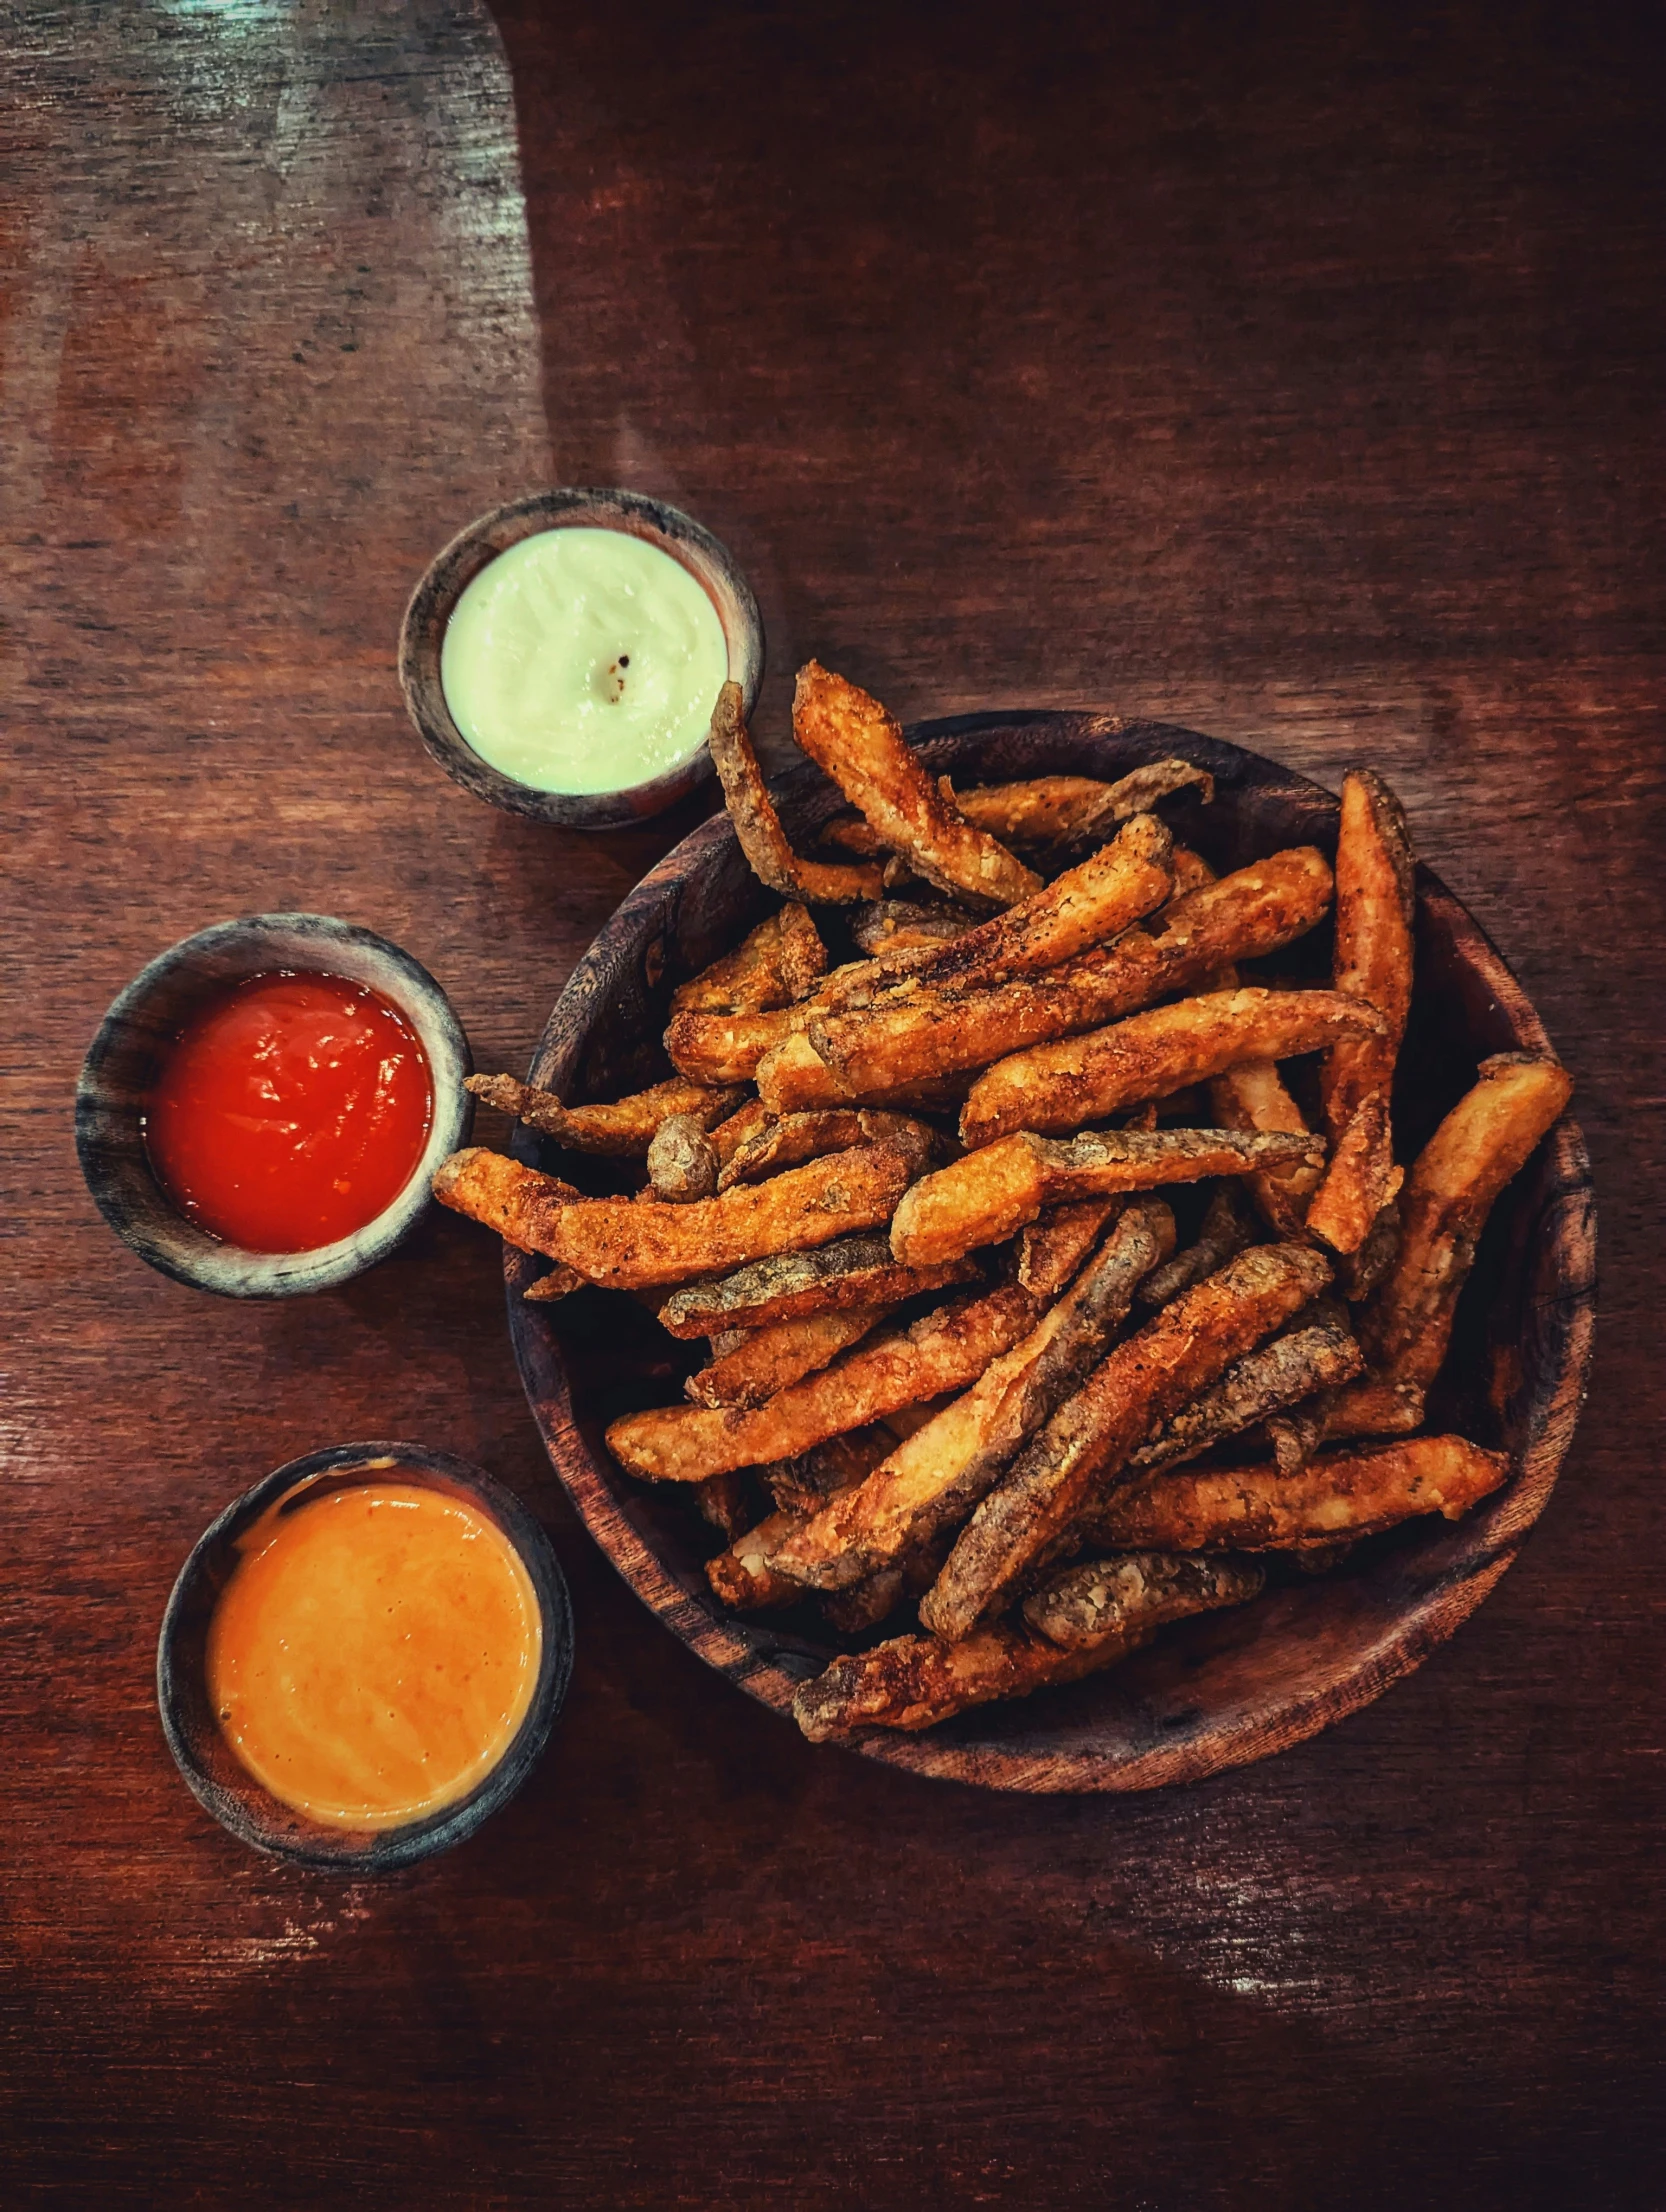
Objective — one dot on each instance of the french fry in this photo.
(560, 1282)
(625, 1128)
(1047, 811)
(768, 1360)
(901, 925)
(983, 1198)
(1352, 1492)
(742, 1578)
(1296, 1432)
(682, 1161)
(1264, 1381)
(727, 1049)
(1077, 1079)
(1139, 1589)
(1406, 1324)
(802, 1486)
(633, 1244)
(854, 1271)
(936, 1477)
(781, 960)
(1372, 1407)
(1373, 963)
(1053, 1247)
(945, 1351)
(1252, 1096)
(794, 1138)
(1084, 1448)
(932, 1034)
(722, 1503)
(758, 826)
(1226, 1229)
(737, 1129)
(913, 1682)
(855, 741)
(1359, 1273)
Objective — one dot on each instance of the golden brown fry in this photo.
(1072, 810)
(795, 1138)
(682, 1161)
(1486, 1138)
(1078, 1079)
(727, 1048)
(779, 961)
(983, 1198)
(942, 1352)
(1359, 1273)
(767, 1360)
(1372, 1407)
(738, 1129)
(932, 1034)
(1296, 1433)
(1052, 1249)
(723, 1504)
(1226, 1229)
(853, 833)
(1340, 1493)
(624, 1128)
(852, 738)
(560, 1282)
(742, 1578)
(912, 1682)
(854, 1271)
(1084, 1448)
(941, 1472)
(1139, 1589)
(1252, 1096)
(1373, 963)
(631, 1244)
(803, 1485)
(758, 826)
(1274, 1375)
(900, 925)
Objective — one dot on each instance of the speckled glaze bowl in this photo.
(125, 1058)
(225, 1788)
(423, 634)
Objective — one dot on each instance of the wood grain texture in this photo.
(1292, 374)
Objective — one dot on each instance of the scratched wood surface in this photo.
(1294, 374)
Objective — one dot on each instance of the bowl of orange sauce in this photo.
(263, 1107)
(363, 1657)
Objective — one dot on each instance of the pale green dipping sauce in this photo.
(582, 661)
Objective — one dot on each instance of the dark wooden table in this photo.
(1296, 374)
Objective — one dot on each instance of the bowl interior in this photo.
(705, 557)
(1223, 1688)
(126, 1057)
(224, 1787)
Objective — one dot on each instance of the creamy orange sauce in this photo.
(374, 1652)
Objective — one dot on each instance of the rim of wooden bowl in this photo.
(211, 1770)
(1404, 1604)
(422, 634)
(125, 1056)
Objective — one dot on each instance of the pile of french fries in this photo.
(966, 1380)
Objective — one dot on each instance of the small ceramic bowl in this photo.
(125, 1058)
(227, 1790)
(423, 634)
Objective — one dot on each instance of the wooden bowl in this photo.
(423, 634)
(1215, 1691)
(206, 1760)
(126, 1056)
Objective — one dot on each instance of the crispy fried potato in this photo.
(1296, 1432)
(1359, 1273)
(723, 1503)
(624, 1128)
(768, 1360)
(1373, 963)
(758, 826)
(1340, 1493)
(1077, 1079)
(682, 1161)
(795, 1138)
(1073, 810)
(1486, 1138)
(1372, 1407)
(913, 1682)
(803, 1485)
(1139, 1589)
(1273, 1376)
(941, 1472)
(737, 1129)
(631, 1244)
(781, 960)
(933, 1034)
(902, 925)
(742, 1578)
(560, 1282)
(1084, 1448)
(1252, 1096)
(855, 741)
(942, 1352)
(1053, 1247)
(1226, 1229)
(727, 1048)
(985, 1197)
(854, 1271)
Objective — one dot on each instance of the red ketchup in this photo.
(290, 1112)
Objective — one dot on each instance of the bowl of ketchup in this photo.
(363, 1656)
(263, 1107)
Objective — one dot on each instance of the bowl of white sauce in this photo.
(562, 656)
